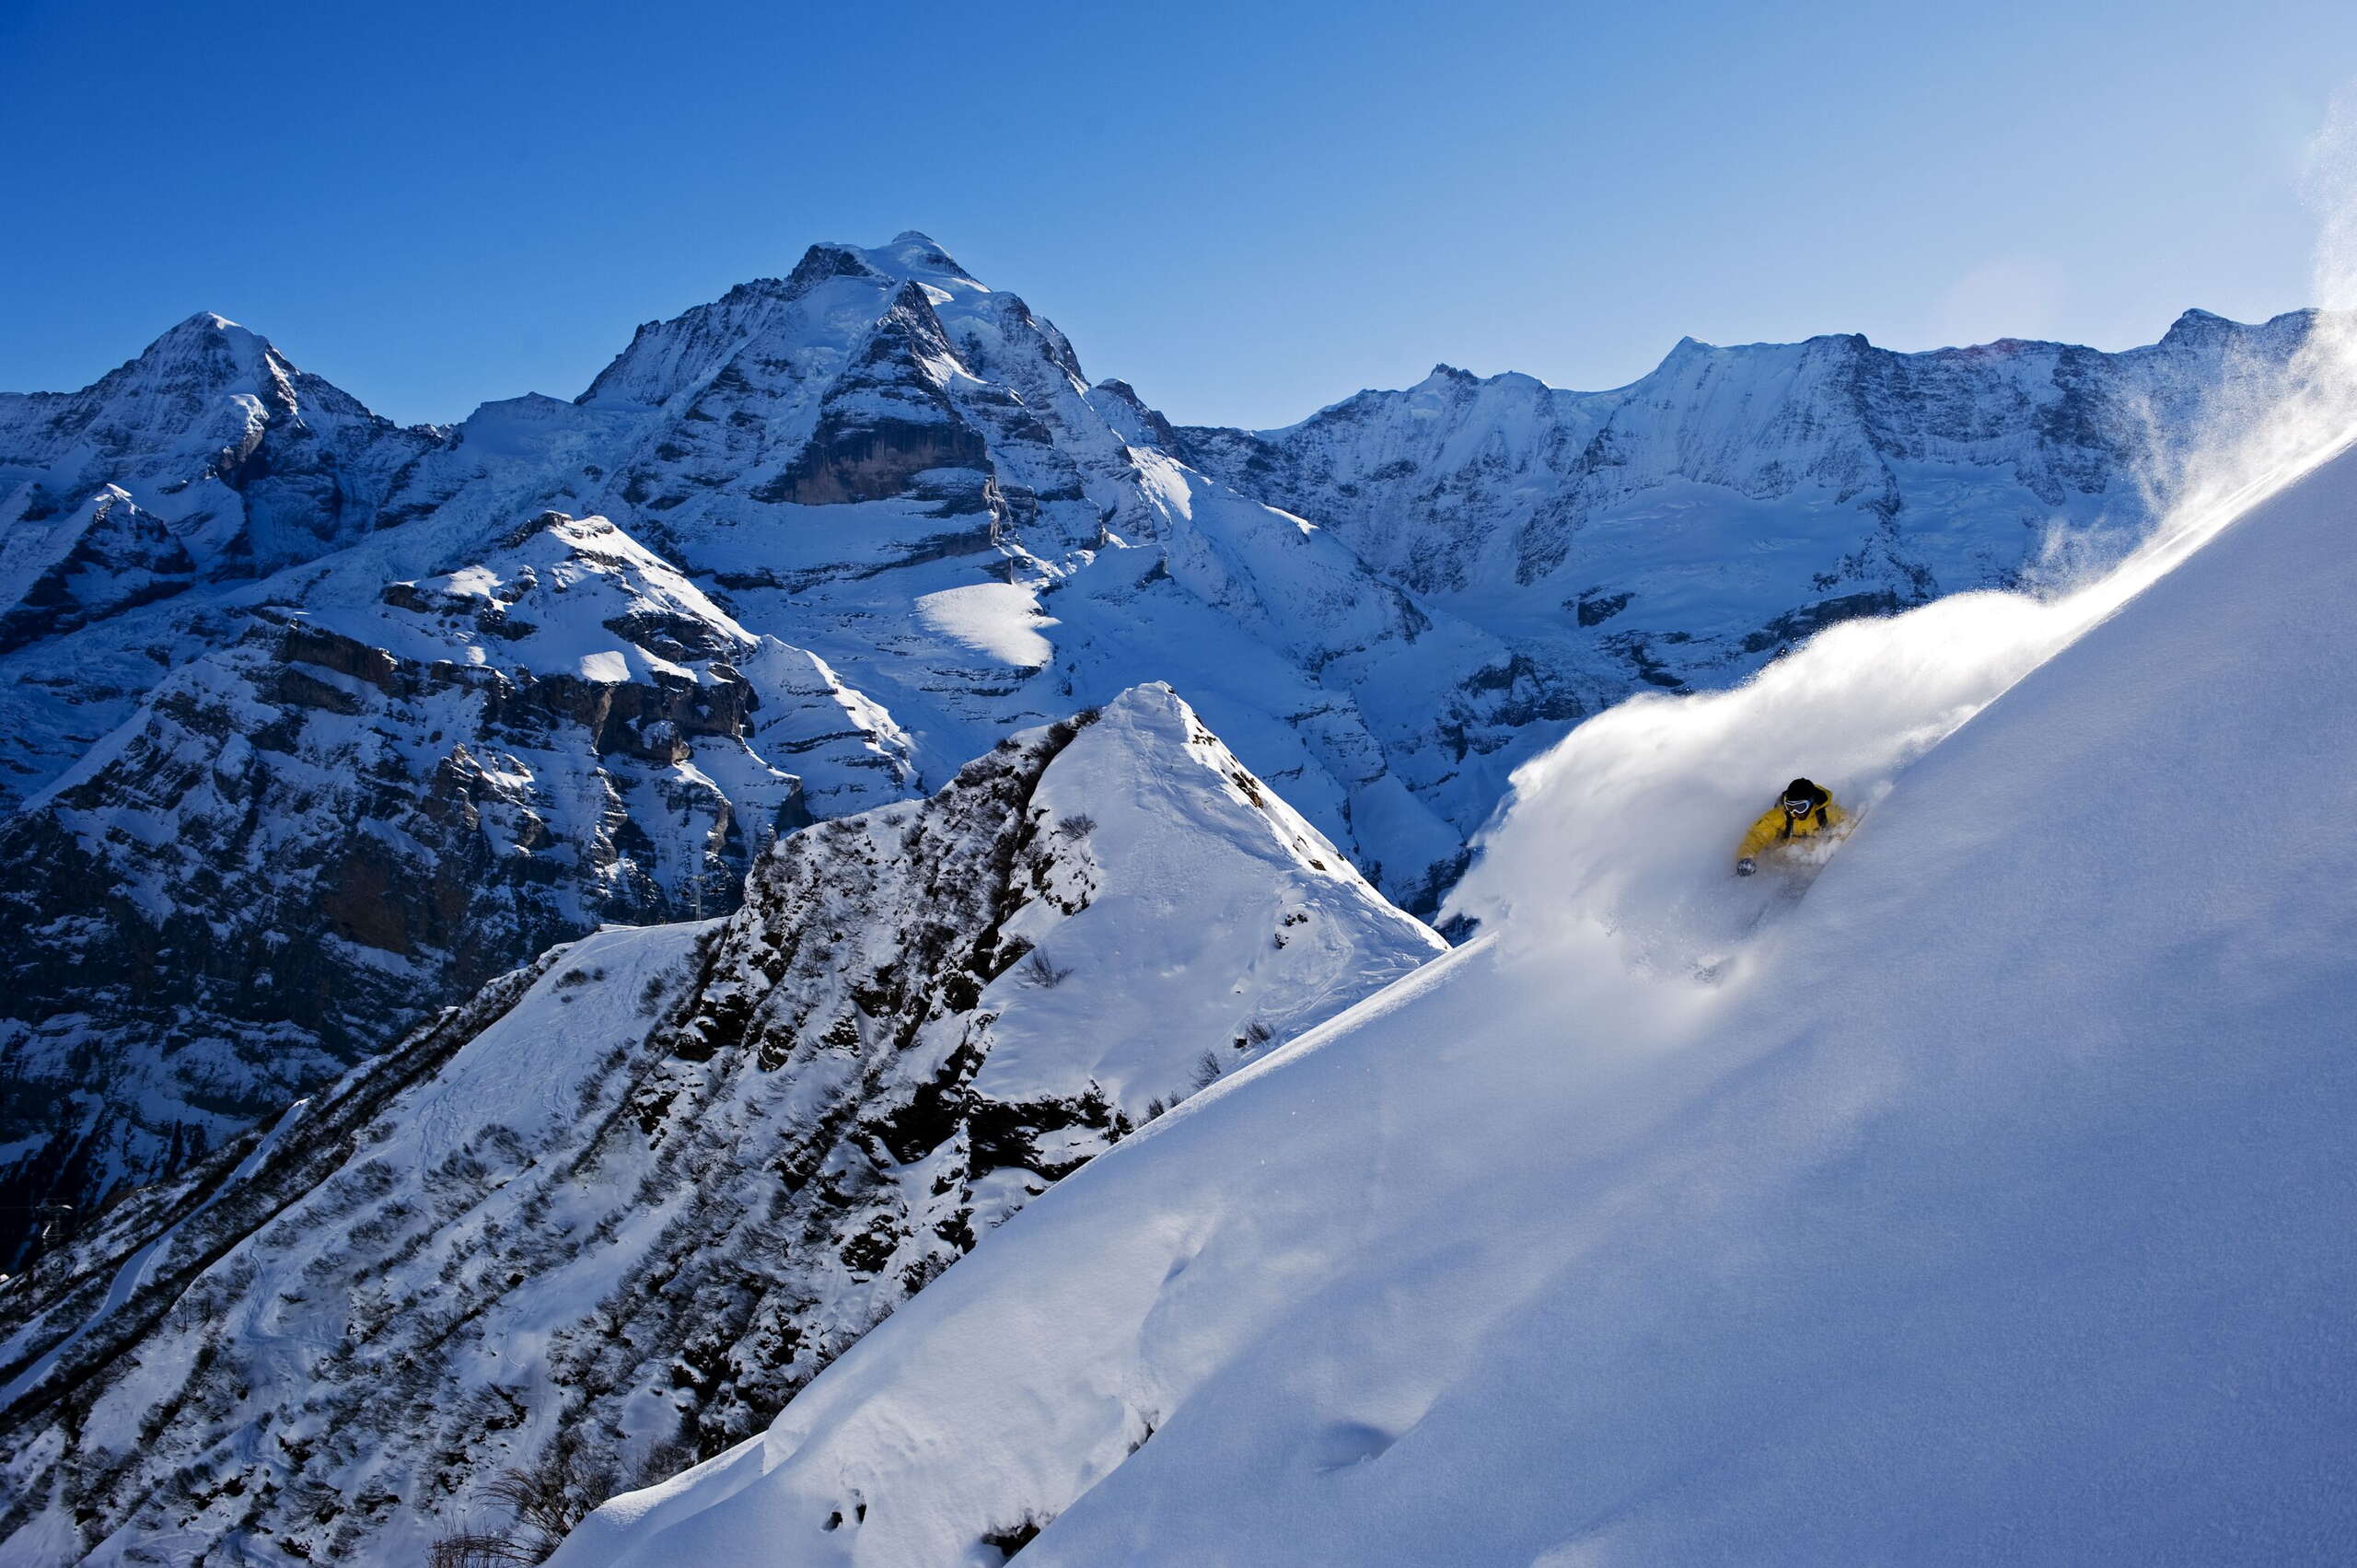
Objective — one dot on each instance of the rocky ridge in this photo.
(604, 1220)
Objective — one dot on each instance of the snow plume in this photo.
(2264, 427)
(1615, 850)
(1623, 836)
(1619, 844)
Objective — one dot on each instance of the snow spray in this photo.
(1615, 849)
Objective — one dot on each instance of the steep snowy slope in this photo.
(608, 1218)
(1989, 1205)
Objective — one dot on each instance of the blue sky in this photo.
(1247, 210)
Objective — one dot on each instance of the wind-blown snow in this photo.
(1619, 830)
(1991, 1205)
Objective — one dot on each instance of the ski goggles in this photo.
(1799, 807)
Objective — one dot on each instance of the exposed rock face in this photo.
(628, 1201)
(254, 464)
(309, 839)
(71, 568)
(895, 467)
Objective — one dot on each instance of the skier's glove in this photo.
(1745, 867)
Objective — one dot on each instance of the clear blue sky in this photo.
(1247, 210)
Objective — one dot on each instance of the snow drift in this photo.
(1989, 1206)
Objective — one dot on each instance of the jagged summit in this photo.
(835, 296)
(249, 462)
(820, 262)
(908, 255)
(203, 352)
(916, 255)
(205, 323)
(2193, 328)
(2197, 327)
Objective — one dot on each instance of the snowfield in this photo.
(1991, 1205)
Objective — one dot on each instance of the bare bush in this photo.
(1015, 1537)
(1042, 972)
(475, 1550)
(547, 1502)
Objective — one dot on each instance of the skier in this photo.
(1802, 812)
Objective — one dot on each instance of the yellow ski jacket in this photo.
(1776, 828)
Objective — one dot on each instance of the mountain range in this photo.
(528, 938)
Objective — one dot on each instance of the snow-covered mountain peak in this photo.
(1683, 350)
(824, 261)
(566, 594)
(2195, 325)
(202, 331)
(775, 335)
(913, 255)
(205, 356)
(224, 352)
(2205, 335)
(251, 463)
(1130, 417)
